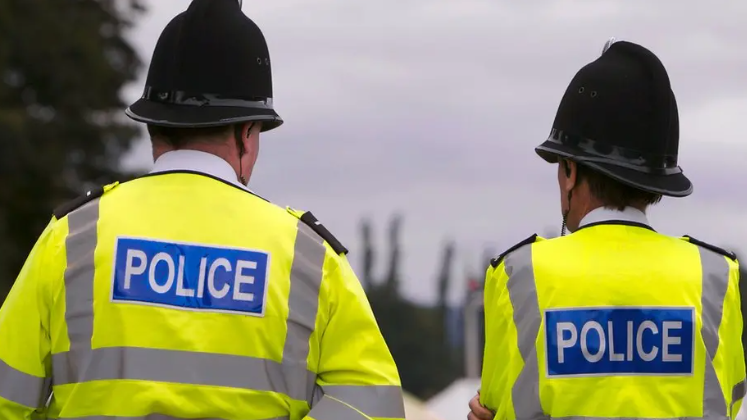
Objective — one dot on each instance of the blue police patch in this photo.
(619, 341)
(193, 277)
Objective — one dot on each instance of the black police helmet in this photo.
(619, 117)
(211, 67)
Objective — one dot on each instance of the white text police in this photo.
(601, 341)
(195, 277)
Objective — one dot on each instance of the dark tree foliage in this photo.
(395, 254)
(444, 277)
(368, 254)
(63, 65)
(414, 334)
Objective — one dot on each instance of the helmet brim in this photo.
(675, 185)
(170, 115)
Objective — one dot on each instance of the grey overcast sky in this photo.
(433, 108)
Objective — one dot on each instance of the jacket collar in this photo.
(601, 215)
(197, 161)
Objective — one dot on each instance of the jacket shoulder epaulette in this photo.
(710, 247)
(495, 262)
(317, 226)
(70, 206)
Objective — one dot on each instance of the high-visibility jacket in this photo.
(613, 320)
(182, 295)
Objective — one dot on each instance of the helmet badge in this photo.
(607, 44)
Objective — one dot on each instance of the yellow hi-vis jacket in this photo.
(181, 296)
(613, 321)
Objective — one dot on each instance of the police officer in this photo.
(182, 294)
(614, 320)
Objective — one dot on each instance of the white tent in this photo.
(453, 402)
(416, 410)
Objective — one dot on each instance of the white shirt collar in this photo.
(197, 161)
(601, 214)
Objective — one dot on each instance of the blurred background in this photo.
(410, 128)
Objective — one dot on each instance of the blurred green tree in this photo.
(392, 280)
(414, 333)
(368, 254)
(444, 276)
(63, 65)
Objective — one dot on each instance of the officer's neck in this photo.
(160, 148)
(585, 204)
(602, 214)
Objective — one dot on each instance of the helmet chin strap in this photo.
(565, 214)
(240, 144)
(570, 195)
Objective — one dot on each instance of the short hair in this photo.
(612, 193)
(182, 136)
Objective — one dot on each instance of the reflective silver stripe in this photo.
(522, 291)
(374, 401)
(136, 363)
(523, 295)
(331, 409)
(715, 283)
(21, 388)
(83, 364)
(303, 303)
(80, 246)
(737, 393)
(151, 417)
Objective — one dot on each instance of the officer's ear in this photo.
(249, 129)
(570, 170)
(247, 134)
